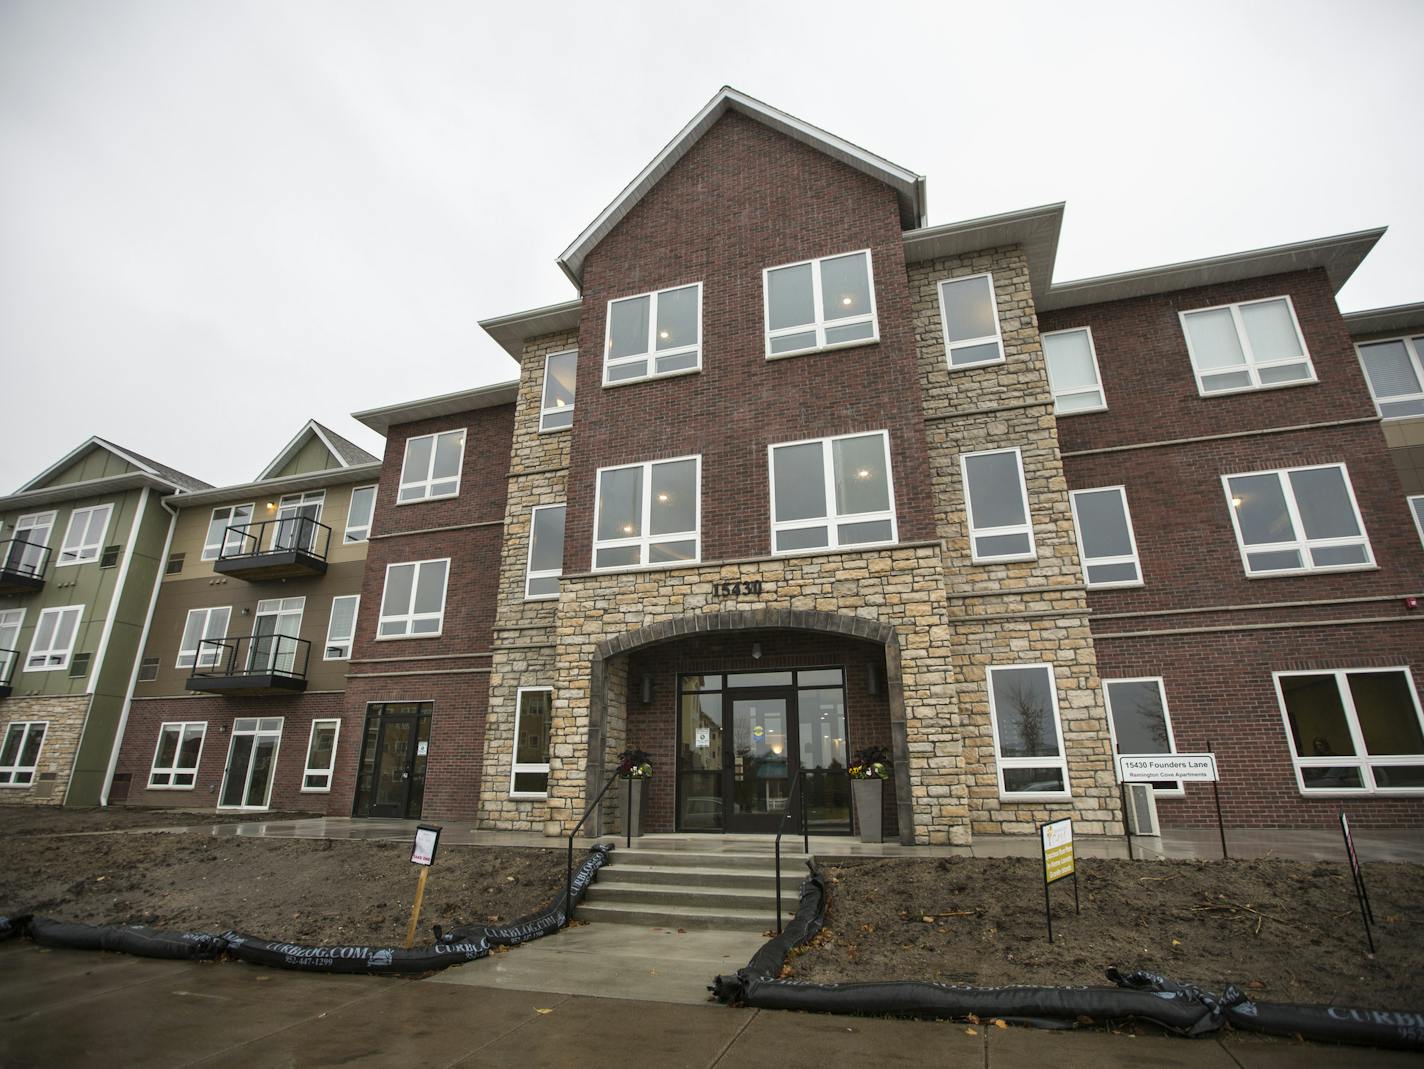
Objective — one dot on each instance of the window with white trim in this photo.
(413, 602)
(1105, 538)
(818, 304)
(11, 620)
(176, 757)
(321, 757)
(1294, 520)
(341, 627)
(432, 466)
(1028, 738)
(84, 537)
(210, 623)
(969, 313)
(358, 515)
(1139, 722)
(1354, 731)
(20, 752)
(1416, 509)
(1252, 345)
(534, 713)
(28, 540)
(546, 552)
(1073, 374)
(653, 334)
(297, 519)
(556, 400)
(648, 515)
(832, 492)
(54, 638)
(996, 506)
(1394, 368)
(219, 539)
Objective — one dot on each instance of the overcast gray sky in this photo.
(220, 219)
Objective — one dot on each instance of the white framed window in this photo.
(1252, 345)
(546, 552)
(996, 506)
(28, 541)
(1028, 737)
(54, 638)
(321, 757)
(84, 537)
(1416, 509)
(358, 514)
(828, 303)
(653, 334)
(432, 466)
(1353, 730)
(827, 493)
(1073, 374)
(1294, 520)
(969, 312)
(1394, 369)
(341, 627)
(648, 515)
(211, 624)
(11, 620)
(297, 519)
(176, 756)
(413, 601)
(220, 540)
(251, 761)
(20, 752)
(1139, 722)
(556, 399)
(1105, 538)
(533, 716)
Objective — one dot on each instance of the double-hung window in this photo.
(175, 758)
(1354, 731)
(413, 603)
(556, 400)
(1248, 346)
(432, 467)
(1395, 371)
(534, 712)
(996, 501)
(202, 632)
(54, 639)
(1139, 722)
(648, 514)
(832, 492)
(20, 752)
(819, 304)
(341, 628)
(1295, 520)
(1073, 374)
(358, 515)
(321, 756)
(653, 334)
(220, 540)
(84, 537)
(25, 548)
(1028, 738)
(970, 314)
(1105, 539)
(546, 552)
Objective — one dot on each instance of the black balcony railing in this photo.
(275, 549)
(22, 565)
(9, 659)
(256, 664)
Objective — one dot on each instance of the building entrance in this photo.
(391, 779)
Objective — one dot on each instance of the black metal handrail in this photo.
(300, 533)
(569, 870)
(252, 655)
(791, 799)
(13, 553)
(8, 660)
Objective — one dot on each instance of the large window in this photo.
(20, 752)
(432, 467)
(1297, 520)
(653, 334)
(321, 757)
(175, 758)
(556, 402)
(28, 540)
(546, 552)
(1105, 538)
(1393, 370)
(359, 513)
(341, 628)
(413, 604)
(529, 777)
(297, 519)
(970, 315)
(1139, 722)
(54, 638)
(1416, 509)
(648, 514)
(819, 304)
(11, 620)
(1073, 374)
(219, 539)
(832, 492)
(1028, 739)
(1354, 731)
(210, 624)
(84, 537)
(996, 501)
(1247, 346)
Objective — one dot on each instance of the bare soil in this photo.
(52, 820)
(1284, 931)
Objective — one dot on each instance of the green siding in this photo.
(97, 463)
(312, 456)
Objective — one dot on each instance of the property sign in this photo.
(704, 738)
(1057, 850)
(427, 838)
(1147, 768)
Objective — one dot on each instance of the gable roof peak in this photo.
(347, 454)
(179, 480)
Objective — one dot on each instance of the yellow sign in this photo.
(1057, 850)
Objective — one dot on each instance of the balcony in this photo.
(8, 660)
(251, 664)
(288, 548)
(22, 566)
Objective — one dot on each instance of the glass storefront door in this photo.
(251, 760)
(391, 777)
(761, 762)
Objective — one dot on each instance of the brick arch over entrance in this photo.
(689, 627)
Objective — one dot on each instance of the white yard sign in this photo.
(1146, 768)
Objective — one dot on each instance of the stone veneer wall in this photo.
(65, 717)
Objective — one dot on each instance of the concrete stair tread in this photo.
(684, 917)
(675, 893)
(697, 872)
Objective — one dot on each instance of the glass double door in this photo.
(393, 759)
(251, 760)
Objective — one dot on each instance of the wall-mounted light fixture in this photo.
(645, 692)
(756, 651)
(872, 678)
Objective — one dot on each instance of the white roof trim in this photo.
(74, 454)
(513, 329)
(909, 187)
(291, 448)
(445, 404)
(1036, 230)
(109, 484)
(1400, 318)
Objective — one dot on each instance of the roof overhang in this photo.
(1397, 318)
(312, 428)
(271, 488)
(111, 484)
(1036, 230)
(513, 330)
(445, 404)
(909, 187)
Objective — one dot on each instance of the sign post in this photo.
(1187, 767)
(1057, 840)
(422, 853)
(1366, 913)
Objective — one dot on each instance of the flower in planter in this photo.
(873, 762)
(634, 764)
